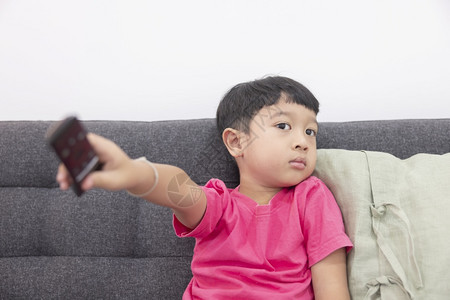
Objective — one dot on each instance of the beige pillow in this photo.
(397, 213)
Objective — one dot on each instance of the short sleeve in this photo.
(217, 195)
(323, 227)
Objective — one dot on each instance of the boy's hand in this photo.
(117, 171)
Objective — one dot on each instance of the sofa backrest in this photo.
(194, 145)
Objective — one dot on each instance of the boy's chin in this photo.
(295, 181)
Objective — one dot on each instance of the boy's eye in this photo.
(284, 126)
(311, 132)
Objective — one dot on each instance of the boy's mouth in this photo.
(298, 163)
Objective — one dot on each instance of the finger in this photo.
(63, 177)
(88, 183)
(96, 141)
(110, 154)
(114, 174)
(105, 149)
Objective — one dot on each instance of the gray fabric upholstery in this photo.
(107, 245)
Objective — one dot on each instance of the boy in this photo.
(279, 234)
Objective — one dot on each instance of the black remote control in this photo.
(68, 139)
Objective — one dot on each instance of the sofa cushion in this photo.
(396, 213)
(89, 277)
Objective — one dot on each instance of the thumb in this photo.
(99, 179)
(112, 180)
(88, 183)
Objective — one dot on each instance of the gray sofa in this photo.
(107, 245)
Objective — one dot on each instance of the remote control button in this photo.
(81, 136)
(65, 153)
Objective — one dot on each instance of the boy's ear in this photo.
(232, 138)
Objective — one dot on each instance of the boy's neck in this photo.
(261, 195)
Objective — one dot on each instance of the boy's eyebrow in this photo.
(281, 113)
(289, 114)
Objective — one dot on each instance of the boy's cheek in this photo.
(312, 164)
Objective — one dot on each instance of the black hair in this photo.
(242, 102)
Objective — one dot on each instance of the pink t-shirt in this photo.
(248, 251)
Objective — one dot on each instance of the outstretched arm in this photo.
(173, 189)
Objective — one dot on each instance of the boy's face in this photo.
(280, 149)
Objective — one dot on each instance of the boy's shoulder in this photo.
(311, 181)
(312, 189)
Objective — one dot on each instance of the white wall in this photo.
(153, 60)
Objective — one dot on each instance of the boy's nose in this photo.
(300, 143)
(302, 147)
